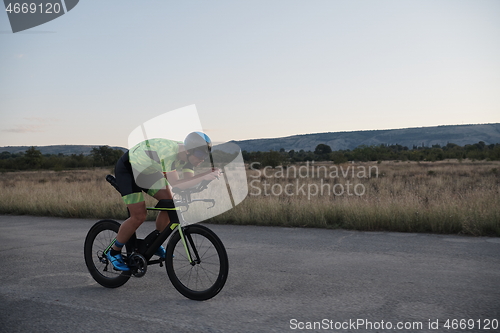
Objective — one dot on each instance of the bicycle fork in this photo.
(187, 247)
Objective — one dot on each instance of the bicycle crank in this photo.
(138, 264)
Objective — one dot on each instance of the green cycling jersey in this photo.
(157, 155)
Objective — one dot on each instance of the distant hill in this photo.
(409, 137)
(57, 149)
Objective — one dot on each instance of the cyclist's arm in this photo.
(190, 179)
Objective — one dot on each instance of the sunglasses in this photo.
(200, 154)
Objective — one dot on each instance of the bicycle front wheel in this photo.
(98, 239)
(203, 277)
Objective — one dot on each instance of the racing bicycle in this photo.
(196, 260)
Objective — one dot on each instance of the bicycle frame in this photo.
(176, 222)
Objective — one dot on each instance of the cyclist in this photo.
(152, 166)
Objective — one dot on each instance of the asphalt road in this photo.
(280, 280)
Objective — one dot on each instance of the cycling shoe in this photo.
(161, 252)
(117, 261)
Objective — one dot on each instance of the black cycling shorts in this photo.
(130, 191)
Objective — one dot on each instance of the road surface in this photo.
(280, 280)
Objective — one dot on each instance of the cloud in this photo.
(25, 129)
(33, 125)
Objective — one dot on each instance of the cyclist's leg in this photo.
(137, 217)
(162, 219)
(133, 197)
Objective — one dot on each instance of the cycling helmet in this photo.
(198, 144)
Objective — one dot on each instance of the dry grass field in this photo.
(436, 197)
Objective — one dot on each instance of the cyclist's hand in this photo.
(218, 172)
(213, 175)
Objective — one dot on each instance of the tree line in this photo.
(383, 152)
(104, 156)
(33, 159)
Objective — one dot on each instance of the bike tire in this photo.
(98, 239)
(206, 278)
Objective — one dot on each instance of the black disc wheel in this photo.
(97, 241)
(204, 276)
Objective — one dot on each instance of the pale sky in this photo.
(253, 69)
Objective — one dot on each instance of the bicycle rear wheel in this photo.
(98, 239)
(206, 276)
